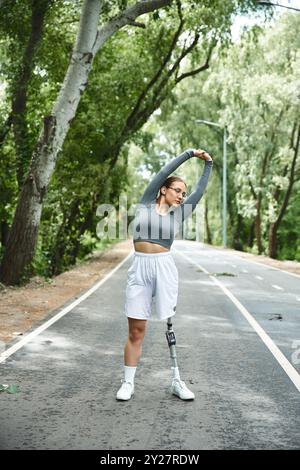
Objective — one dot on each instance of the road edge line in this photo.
(291, 372)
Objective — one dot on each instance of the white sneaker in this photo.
(179, 389)
(126, 391)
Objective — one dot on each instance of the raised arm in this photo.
(158, 180)
(191, 202)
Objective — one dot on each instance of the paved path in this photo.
(246, 395)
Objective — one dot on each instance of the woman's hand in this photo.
(203, 155)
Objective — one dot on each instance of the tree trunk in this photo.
(20, 88)
(237, 242)
(273, 240)
(20, 247)
(208, 231)
(4, 231)
(251, 235)
(257, 225)
(295, 143)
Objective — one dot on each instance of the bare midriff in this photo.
(147, 247)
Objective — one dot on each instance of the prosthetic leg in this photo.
(178, 387)
(171, 338)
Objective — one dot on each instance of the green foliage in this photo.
(260, 105)
(288, 237)
(252, 87)
(94, 166)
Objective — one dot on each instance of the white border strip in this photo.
(281, 359)
(59, 315)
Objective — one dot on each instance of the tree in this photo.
(31, 33)
(23, 235)
(260, 102)
(253, 88)
(24, 231)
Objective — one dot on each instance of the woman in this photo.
(153, 272)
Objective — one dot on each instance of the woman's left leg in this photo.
(166, 302)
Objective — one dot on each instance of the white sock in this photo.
(175, 371)
(129, 373)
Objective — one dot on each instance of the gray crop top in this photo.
(149, 225)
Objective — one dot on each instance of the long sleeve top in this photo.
(149, 225)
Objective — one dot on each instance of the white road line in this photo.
(233, 265)
(281, 359)
(298, 298)
(245, 271)
(277, 287)
(59, 315)
(260, 278)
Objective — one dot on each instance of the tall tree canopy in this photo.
(136, 70)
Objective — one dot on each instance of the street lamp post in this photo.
(224, 181)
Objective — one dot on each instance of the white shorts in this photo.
(151, 275)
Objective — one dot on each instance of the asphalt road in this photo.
(245, 375)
